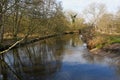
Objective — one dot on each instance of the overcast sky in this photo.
(80, 5)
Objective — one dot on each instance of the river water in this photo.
(59, 58)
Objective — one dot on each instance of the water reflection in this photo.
(59, 58)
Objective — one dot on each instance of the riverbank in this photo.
(105, 45)
(8, 43)
(112, 50)
(101, 44)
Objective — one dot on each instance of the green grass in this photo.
(114, 39)
(101, 41)
(99, 46)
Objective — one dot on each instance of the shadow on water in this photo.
(58, 58)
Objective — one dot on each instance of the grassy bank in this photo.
(99, 40)
(102, 40)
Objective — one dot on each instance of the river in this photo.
(59, 58)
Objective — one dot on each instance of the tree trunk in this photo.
(1, 24)
(15, 32)
(1, 33)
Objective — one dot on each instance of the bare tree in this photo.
(5, 5)
(105, 23)
(2, 4)
(93, 12)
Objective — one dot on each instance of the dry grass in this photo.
(98, 41)
(20, 35)
(8, 35)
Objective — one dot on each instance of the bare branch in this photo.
(11, 46)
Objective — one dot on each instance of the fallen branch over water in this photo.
(6, 49)
(11, 46)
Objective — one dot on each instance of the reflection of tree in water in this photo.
(36, 60)
(117, 66)
(91, 58)
(6, 72)
(75, 40)
(3, 70)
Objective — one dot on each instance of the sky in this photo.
(80, 5)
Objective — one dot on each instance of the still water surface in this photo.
(58, 58)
